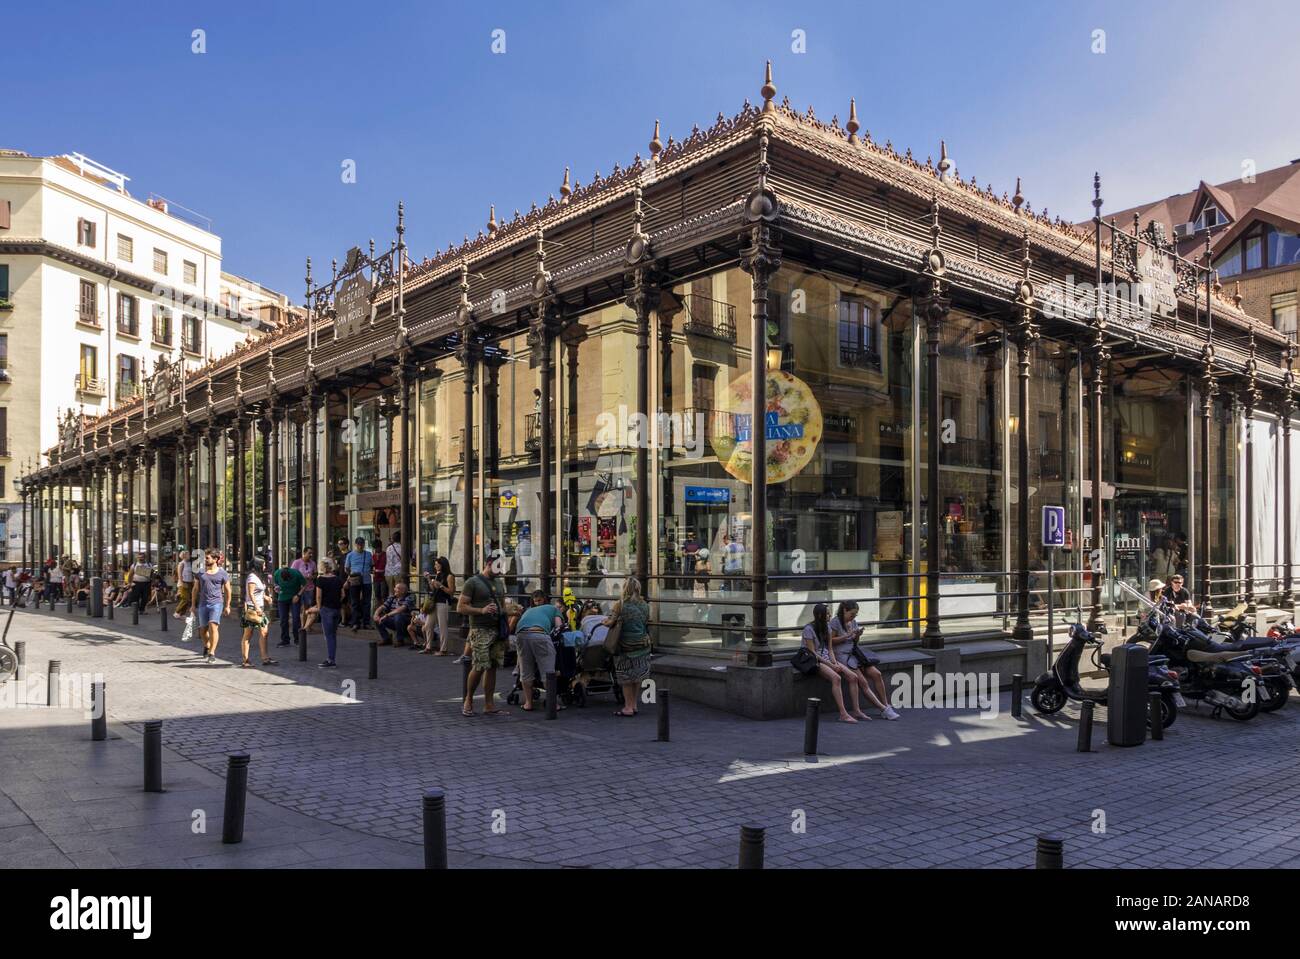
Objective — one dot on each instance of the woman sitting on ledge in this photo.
(814, 659)
(844, 632)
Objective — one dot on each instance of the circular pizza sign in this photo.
(792, 427)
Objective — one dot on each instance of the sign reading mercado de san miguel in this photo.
(792, 427)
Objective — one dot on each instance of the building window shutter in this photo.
(4, 214)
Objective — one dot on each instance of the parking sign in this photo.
(1053, 525)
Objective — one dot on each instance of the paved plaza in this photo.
(339, 764)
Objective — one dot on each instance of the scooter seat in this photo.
(1199, 656)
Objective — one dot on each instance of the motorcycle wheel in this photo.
(8, 663)
(1247, 711)
(1047, 699)
(1168, 711)
(1277, 698)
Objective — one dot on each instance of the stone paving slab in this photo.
(339, 763)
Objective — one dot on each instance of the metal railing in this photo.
(859, 358)
(88, 316)
(710, 422)
(162, 333)
(533, 431)
(4, 445)
(85, 383)
(709, 317)
(128, 328)
(129, 390)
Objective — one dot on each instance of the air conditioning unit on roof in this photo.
(1184, 230)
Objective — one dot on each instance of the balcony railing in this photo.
(709, 317)
(533, 431)
(6, 304)
(858, 358)
(712, 423)
(193, 347)
(4, 446)
(129, 390)
(85, 383)
(88, 316)
(128, 328)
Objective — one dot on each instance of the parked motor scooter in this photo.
(1059, 685)
(1277, 659)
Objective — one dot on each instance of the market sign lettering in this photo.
(352, 305)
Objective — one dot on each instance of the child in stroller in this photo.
(594, 665)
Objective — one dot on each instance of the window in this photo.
(4, 354)
(88, 306)
(703, 378)
(160, 261)
(191, 272)
(1283, 248)
(125, 248)
(128, 320)
(1229, 264)
(162, 325)
(1209, 217)
(4, 281)
(89, 367)
(4, 215)
(127, 368)
(859, 334)
(85, 232)
(192, 335)
(1254, 252)
(1284, 312)
(4, 438)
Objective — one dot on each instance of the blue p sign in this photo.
(1053, 525)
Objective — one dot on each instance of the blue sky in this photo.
(253, 132)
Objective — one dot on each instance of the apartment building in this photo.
(96, 286)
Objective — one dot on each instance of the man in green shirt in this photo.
(483, 600)
(288, 584)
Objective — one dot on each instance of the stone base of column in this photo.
(1023, 633)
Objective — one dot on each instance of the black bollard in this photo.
(663, 716)
(751, 847)
(52, 683)
(232, 826)
(108, 609)
(1157, 716)
(69, 602)
(153, 756)
(20, 650)
(811, 721)
(135, 615)
(552, 695)
(98, 713)
(1017, 694)
(95, 598)
(302, 647)
(1085, 728)
(162, 616)
(435, 829)
(1050, 853)
(374, 661)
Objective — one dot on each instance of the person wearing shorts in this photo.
(213, 586)
(533, 637)
(253, 615)
(483, 601)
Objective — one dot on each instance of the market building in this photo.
(575, 387)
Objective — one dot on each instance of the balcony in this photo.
(5, 450)
(709, 317)
(129, 390)
(192, 346)
(130, 328)
(859, 358)
(85, 383)
(697, 420)
(6, 304)
(89, 316)
(533, 432)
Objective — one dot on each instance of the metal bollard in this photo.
(1050, 853)
(108, 609)
(552, 695)
(374, 661)
(751, 846)
(435, 829)
(135, 615)
(1157, 716)
(153, 756)
(232, 825)
(162, 616)
(811, 722)
(69, 598)
(95, 600)
(20, 650)
(52, 683)
(302, 647)
(98, 713)
(663, 716)
(1017, 694)
(1085, 728)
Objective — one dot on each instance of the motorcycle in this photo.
(1227, 679)
(1276, 658)
(1059, 685)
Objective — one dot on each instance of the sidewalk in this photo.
(339, 763)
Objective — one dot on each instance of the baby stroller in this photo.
(594, 668)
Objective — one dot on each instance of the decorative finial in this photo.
(565, 189)
(492, 219)
(655, 145)
(1096, 198)
(1025, 261)
(768, 90)
(1018, 200)
(401, 218)
(944, 163)
(1236, 301)
(852, 126)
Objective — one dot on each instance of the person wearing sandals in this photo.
(329, 608)
(483, 600)
(443, 586)
(632, 657)
(816, 640)
(844, 633)
(252, 615)
(533, 636)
